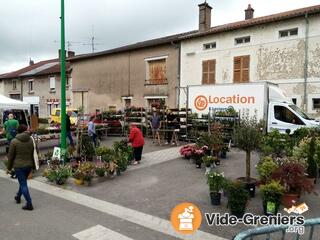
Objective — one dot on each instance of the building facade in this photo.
(282, 48)
(39, 85)
(137, 75)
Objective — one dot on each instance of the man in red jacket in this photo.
(137, 140)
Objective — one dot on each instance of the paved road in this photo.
(130, 205)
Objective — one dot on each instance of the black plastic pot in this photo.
(238, 213)
(217, 162)
(250, 185)
(60, 181)
(118, 172)
(215, 198)
(198, 163)
(251, 188)
(223, 155)
(272, 209)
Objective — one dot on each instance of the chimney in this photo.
(71, 54)
(60, 53)
(31, 62)
(204, 16)
(249, 12)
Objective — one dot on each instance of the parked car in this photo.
(55, 117)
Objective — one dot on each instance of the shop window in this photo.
(283, 114)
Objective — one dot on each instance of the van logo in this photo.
(201, 103)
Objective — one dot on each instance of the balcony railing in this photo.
(269, 231)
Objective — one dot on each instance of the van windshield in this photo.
(300, 112)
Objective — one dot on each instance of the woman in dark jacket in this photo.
(20, 157)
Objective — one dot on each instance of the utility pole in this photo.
(63, 141)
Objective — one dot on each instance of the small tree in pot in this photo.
(312, 169)
(248, 136)
(292, 177)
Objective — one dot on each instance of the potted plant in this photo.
(238, 198)
(224, 151)
(88, 170)
(265, 168)
(292, 177)
(197, 155)
(216, 182)
(272, 193)
(208, 160)
(78, 177)
(247, 137)
(62, 174)
(312, 169)
(186, 151)
(100, 169)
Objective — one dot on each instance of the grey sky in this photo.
(29, 28)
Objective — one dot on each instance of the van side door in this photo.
(282, 118)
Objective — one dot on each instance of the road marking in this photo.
(99, 232)
(127, 214)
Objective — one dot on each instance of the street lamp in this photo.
(63, 142)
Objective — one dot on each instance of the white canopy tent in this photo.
(10, 104)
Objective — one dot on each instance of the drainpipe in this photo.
(306, 41)
(178, 45)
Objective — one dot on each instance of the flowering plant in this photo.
(187, 150)
(216, 181)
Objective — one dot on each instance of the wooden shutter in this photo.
(157, 71)
(209, 72)
(241, 69)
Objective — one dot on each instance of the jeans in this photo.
(22, 175)
(69, 136)
(94, 139)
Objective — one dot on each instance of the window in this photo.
(207, 46)
(242, 40)
(241, 69)
(209, 72)
(52, 84)
(288, 32)
(127, 103)
(315, 103)
(294, 100)
(49, 108)
(283, 114)
(14, 85)
(156, 72)
(30, 86)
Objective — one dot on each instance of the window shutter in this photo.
(236, 69)
(208, 72)
(212, 72)
(241, 67)
(157, 71)
(204, 72)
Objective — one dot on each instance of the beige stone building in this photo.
(37, 84)
(135, 75)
